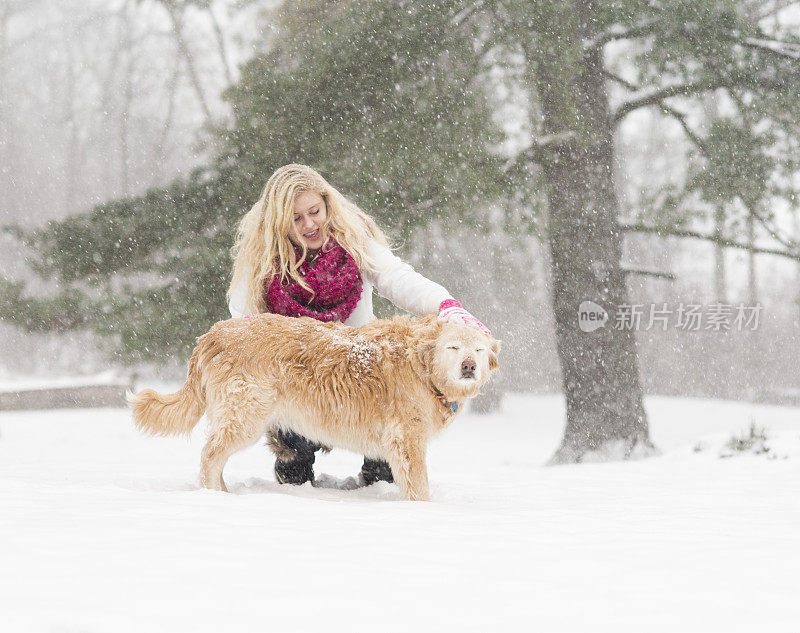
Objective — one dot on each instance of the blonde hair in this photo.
(263, 249)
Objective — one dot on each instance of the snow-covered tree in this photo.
(383, 101)
(678, 51)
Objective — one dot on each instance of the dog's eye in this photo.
(481, 349)
(452, 347)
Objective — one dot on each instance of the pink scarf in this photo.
(335, 280)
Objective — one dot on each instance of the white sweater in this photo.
(394, 280)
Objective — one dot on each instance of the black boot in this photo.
(296, 462)
(297, 471)
(375, 470)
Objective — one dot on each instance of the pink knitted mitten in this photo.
(450, 311)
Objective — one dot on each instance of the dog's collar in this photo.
(452, 406)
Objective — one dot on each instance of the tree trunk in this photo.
(70, 119)
(223, 51)
(720, 279)
(160, 148)
(183, 49)
(752, 272)
(710, 113)
(126, 107)
(796, 298)
(6, 150)
(600, 376)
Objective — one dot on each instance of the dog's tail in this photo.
(170, 414)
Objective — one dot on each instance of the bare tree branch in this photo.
(223, 52)
(466, 13)
(177, 30)
(619, 32)
(656, 96)
(643, 272)
(173, 88)
(742, 80)
(538, 151)
(714, 239)
(785, 50)
(679, 116)
(771, 229)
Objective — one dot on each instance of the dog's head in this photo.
(457, 359)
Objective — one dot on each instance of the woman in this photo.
(305, 250)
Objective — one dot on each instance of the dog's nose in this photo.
(468, 366)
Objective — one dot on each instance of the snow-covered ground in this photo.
(103, 530)
(9, 382)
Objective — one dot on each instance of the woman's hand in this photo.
(450, 311)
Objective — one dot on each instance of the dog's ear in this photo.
(425, 352)
(494, 350)
(425, 332)
(421, 355)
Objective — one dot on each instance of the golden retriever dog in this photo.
(382, 390)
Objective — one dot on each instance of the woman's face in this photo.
(310, 214)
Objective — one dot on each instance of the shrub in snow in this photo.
(752, 441)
